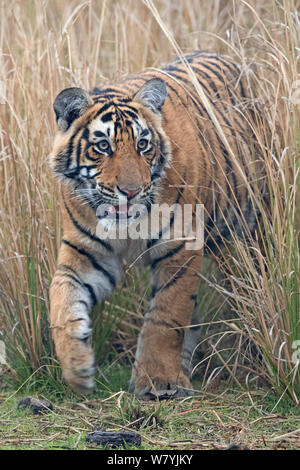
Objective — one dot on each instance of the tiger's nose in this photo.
(130, 192)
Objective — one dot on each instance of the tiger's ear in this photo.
(69, 105)
(152, 94)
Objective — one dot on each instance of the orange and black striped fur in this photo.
(149, 138)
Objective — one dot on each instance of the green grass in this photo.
(209, 420)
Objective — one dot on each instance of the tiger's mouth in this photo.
(123, 211)
(122, 208)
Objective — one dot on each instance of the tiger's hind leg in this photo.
(82, 279)
(158, 371)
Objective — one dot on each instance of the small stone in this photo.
(37, 405)
(237, 447)
(113, 438)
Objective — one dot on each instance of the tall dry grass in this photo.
(250, 315)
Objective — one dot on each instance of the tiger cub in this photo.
(146, 141)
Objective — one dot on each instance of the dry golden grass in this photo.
(47, 46)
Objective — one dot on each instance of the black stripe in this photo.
(62, 283)
(130, 114)
(179, 331)
(78, 152)
(213, 88)
(92, 159)
(195, 327)
(93, 261)
(106, 117)
(126, 106)
(65, 266)
(92, 294)
(153, 241)
(169, 254)
(108, 90)
(186, 354)
(86, 232)
(197, 103)
(144, 132)
(201, 110)
(99, 134)
(146, 152)
(70, 148)
(95, 91)
(235, 72)
(117, 126)
(231, 97)
(104, 108)
(78, 280)
(95, 175)
(69, 276)
(83, 302)
(85, 135)
(129, 128)
(222, 147)
(153, 291)
(179, 274)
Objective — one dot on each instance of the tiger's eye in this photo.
(103, 145)
(142, 144)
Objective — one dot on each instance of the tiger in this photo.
(147, 139)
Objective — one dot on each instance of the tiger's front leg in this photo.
(82, 279)
(158, 372)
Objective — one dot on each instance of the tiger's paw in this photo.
(162, 388)
(78, 367)
(81, 380)
(74, 350)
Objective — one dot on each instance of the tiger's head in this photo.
(111, 146)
